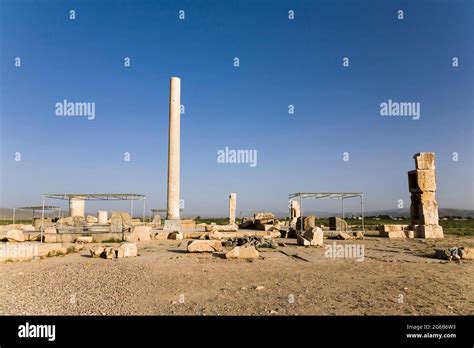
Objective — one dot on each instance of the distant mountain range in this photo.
(6, 213)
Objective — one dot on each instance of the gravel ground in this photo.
(395, 278)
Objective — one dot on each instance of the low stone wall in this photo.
(97, 237)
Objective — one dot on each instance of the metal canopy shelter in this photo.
(94, 197)
(35, 208)
(329, 195)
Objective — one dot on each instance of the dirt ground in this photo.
(394, 278)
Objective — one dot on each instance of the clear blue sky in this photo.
(282, 62)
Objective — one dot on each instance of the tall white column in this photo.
(174, 149)
(102, 216)
(232, 207)
(77, 206)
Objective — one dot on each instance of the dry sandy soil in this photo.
(395, 278)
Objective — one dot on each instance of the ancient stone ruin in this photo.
(424, 208)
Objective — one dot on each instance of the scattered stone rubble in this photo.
(455, 253)
(243, 252)
(311, 237)
(201, 246)
(338, 224)
(263, 221)
(108, 252)
(15, 236)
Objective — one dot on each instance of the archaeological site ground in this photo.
(227, 164)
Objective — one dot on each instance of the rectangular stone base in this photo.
(172, 225)
(431, 231)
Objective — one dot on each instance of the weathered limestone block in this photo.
(140, 233)
(48, 230)
(264, 216)
(73, 221)
(84, 239)
(338, 224)
(344, 236)
(222, 228)
(429, 213)
(91, 219)
(97, 251)
(15, 236)
(302, 241)
(126, 250)
(309, 222)
(9, 227)
(422, 180)
(264, 227)
(314, 236)
(120, 218)
(389, 228)
(45, 250)
(425, 160)
(50, 235)
(431, 231)
(28, 228)
(204, 246)
(466, 253)
(188, 224)
(46, 223)
(176, 236)
(242, 252)
(161, 235)
(396, 234)
(215, 235)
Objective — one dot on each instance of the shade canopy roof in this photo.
(329, 195)
(96, 196)
(39, 207)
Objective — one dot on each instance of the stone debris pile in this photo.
(311, 237)
(455, 253)
(262, 221)
(108, 252)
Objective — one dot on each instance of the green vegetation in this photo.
(218, 221)
(112, 240)
(451, 226)
(9, 222)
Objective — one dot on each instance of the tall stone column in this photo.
(424, 207)
(77, 206)
(102, 216)
(172, 216)
(232, 207)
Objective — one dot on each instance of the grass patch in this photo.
(218, 221)
(112, 240)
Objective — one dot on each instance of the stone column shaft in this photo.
(232, 207)
(77, 206)
(174, 149)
